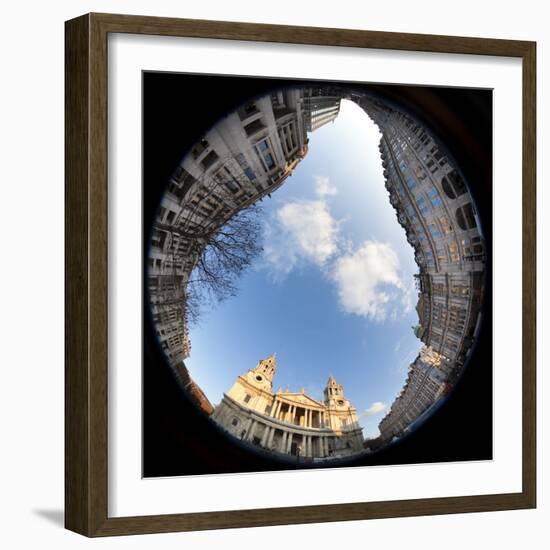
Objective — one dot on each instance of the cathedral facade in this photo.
(289, 423)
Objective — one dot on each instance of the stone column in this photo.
(320, 446)
(289, 442)
(247, 427)
(304, 445)
(326, 446)
(264, 436)
(283, 442)
(251, 430)
(270, 438)
(283, 141)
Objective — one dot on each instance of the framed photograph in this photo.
(300, 275)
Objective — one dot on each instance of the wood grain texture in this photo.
(86, 281)
(529, 274)
(77, 459)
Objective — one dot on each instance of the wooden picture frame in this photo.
(86, 282)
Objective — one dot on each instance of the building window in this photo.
(250, 173)
(410, 211)
(209, 160)
(411, 183)
(421, 202)
(247, 110)
(453, 251)
(446, 225)
(465, 217)
(262, 146)
(453, 185)
(235, 422)
(428, 254)
(436, 234)
(473, 249)
(200, 148)
(434, 197)
(441, 253)
(232, 186)
(247, 398)
(254, 127)
(270, 163)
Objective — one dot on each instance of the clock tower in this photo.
(261, 376)
(334, 395)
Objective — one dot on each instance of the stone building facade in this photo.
(435, 208)
(289, 423)
(426, 383)
(246, 156)
(438, 214)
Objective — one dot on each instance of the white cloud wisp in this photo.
(368, 279)
(376, 408)
(302, 230)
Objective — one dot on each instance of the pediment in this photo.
(302, 399)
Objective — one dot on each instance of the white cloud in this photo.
(323, 187)
(368, 280)
(311, 228)
(408, 300)
(376, 408)
(302, 230)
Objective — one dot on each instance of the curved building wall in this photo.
(437, 212)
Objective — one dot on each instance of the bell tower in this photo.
(334, 394)
(262, 374)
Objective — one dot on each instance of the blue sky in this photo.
(332, 293)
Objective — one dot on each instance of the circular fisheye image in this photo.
(316, 275)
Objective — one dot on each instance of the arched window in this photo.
(453, 185)
(465, 217)
(447, 189)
